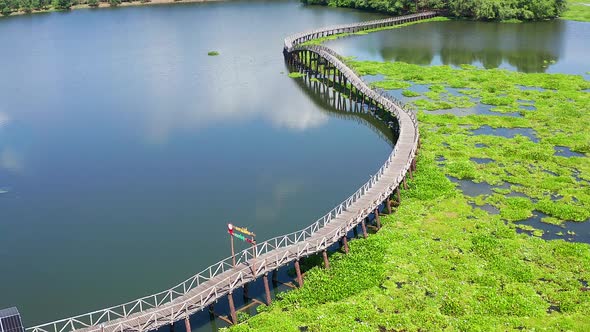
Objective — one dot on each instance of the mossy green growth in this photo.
(560, 118)
(438, 264)
(213, 53)
(296, 74)
(578, 10)
(410, 93)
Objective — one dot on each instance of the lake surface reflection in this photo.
(552, 46)
(125, 149)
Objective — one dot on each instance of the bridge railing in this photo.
(179, 300)
(303, 37)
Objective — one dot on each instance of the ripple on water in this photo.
(507, 132)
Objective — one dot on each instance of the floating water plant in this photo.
(296, 74)
(213, 53)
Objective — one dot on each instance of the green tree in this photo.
(62, 4)
(114, 3)
(5, 7)
(93, 3)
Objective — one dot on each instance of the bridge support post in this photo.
(388, 204)
(377, 219)
(298, 272)
(266, 289)
(275, 278)
(171, 327)
(211, 312)
(232, 308)
(399, 196)
(410, 171)
(405, 184)
(246, 292)
(364, 228)
(187, 324)
(326, 261)
(345, 241)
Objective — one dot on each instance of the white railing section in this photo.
(303, 37)
(153, 311)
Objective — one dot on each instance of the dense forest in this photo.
(8, 7)
(477, 9)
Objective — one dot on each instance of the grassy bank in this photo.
(578, 10)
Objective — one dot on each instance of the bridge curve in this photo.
(222, 278)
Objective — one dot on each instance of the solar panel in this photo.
(10, 321)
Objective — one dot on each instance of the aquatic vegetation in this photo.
(451, 266)
(213, 53)
(559, 120)
(296, 74)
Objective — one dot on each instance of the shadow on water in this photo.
(335, 103)
(507, 132)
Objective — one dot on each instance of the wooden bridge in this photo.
(223, 278)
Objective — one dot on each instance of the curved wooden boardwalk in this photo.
(221, 279)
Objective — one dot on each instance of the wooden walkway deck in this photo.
(222, 278)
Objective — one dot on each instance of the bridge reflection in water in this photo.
(351, 97)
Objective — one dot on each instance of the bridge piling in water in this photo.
(187, 324)
(345, 244)
(266, 289)
(364, 227)
(232, 308)
(298, 272)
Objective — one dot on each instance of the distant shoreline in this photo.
(107, 5)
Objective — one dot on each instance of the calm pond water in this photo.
(125, 149)
(552, 46)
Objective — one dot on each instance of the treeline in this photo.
(477, 9)
(8, 7)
